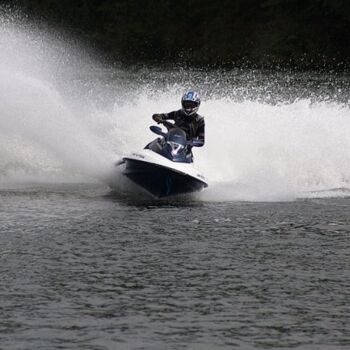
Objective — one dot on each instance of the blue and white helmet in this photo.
(190, 102)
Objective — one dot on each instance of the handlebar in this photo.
(195, 143)
(169, 126)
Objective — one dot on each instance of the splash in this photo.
(277, 152)
(259, 151)
(66, 117)
(44, 131)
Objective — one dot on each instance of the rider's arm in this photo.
(159, 117)
(169, 116)
(201, 132)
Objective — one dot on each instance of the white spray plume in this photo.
(64, 117)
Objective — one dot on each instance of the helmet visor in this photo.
(189, 104)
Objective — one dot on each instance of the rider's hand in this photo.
(158, 118)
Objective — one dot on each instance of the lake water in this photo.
(82, 268)
(259, 260)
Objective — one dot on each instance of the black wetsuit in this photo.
(193, 125)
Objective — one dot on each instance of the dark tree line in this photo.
(201, 32)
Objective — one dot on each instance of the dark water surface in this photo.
(84, 269)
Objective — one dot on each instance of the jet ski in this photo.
(165, 166)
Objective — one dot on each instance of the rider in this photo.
(187, 118)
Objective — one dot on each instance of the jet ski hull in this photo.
(159, 180)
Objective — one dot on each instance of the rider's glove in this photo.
(158, 118)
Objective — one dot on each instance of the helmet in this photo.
(190, 102)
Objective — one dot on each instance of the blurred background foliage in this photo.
(301, 33)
